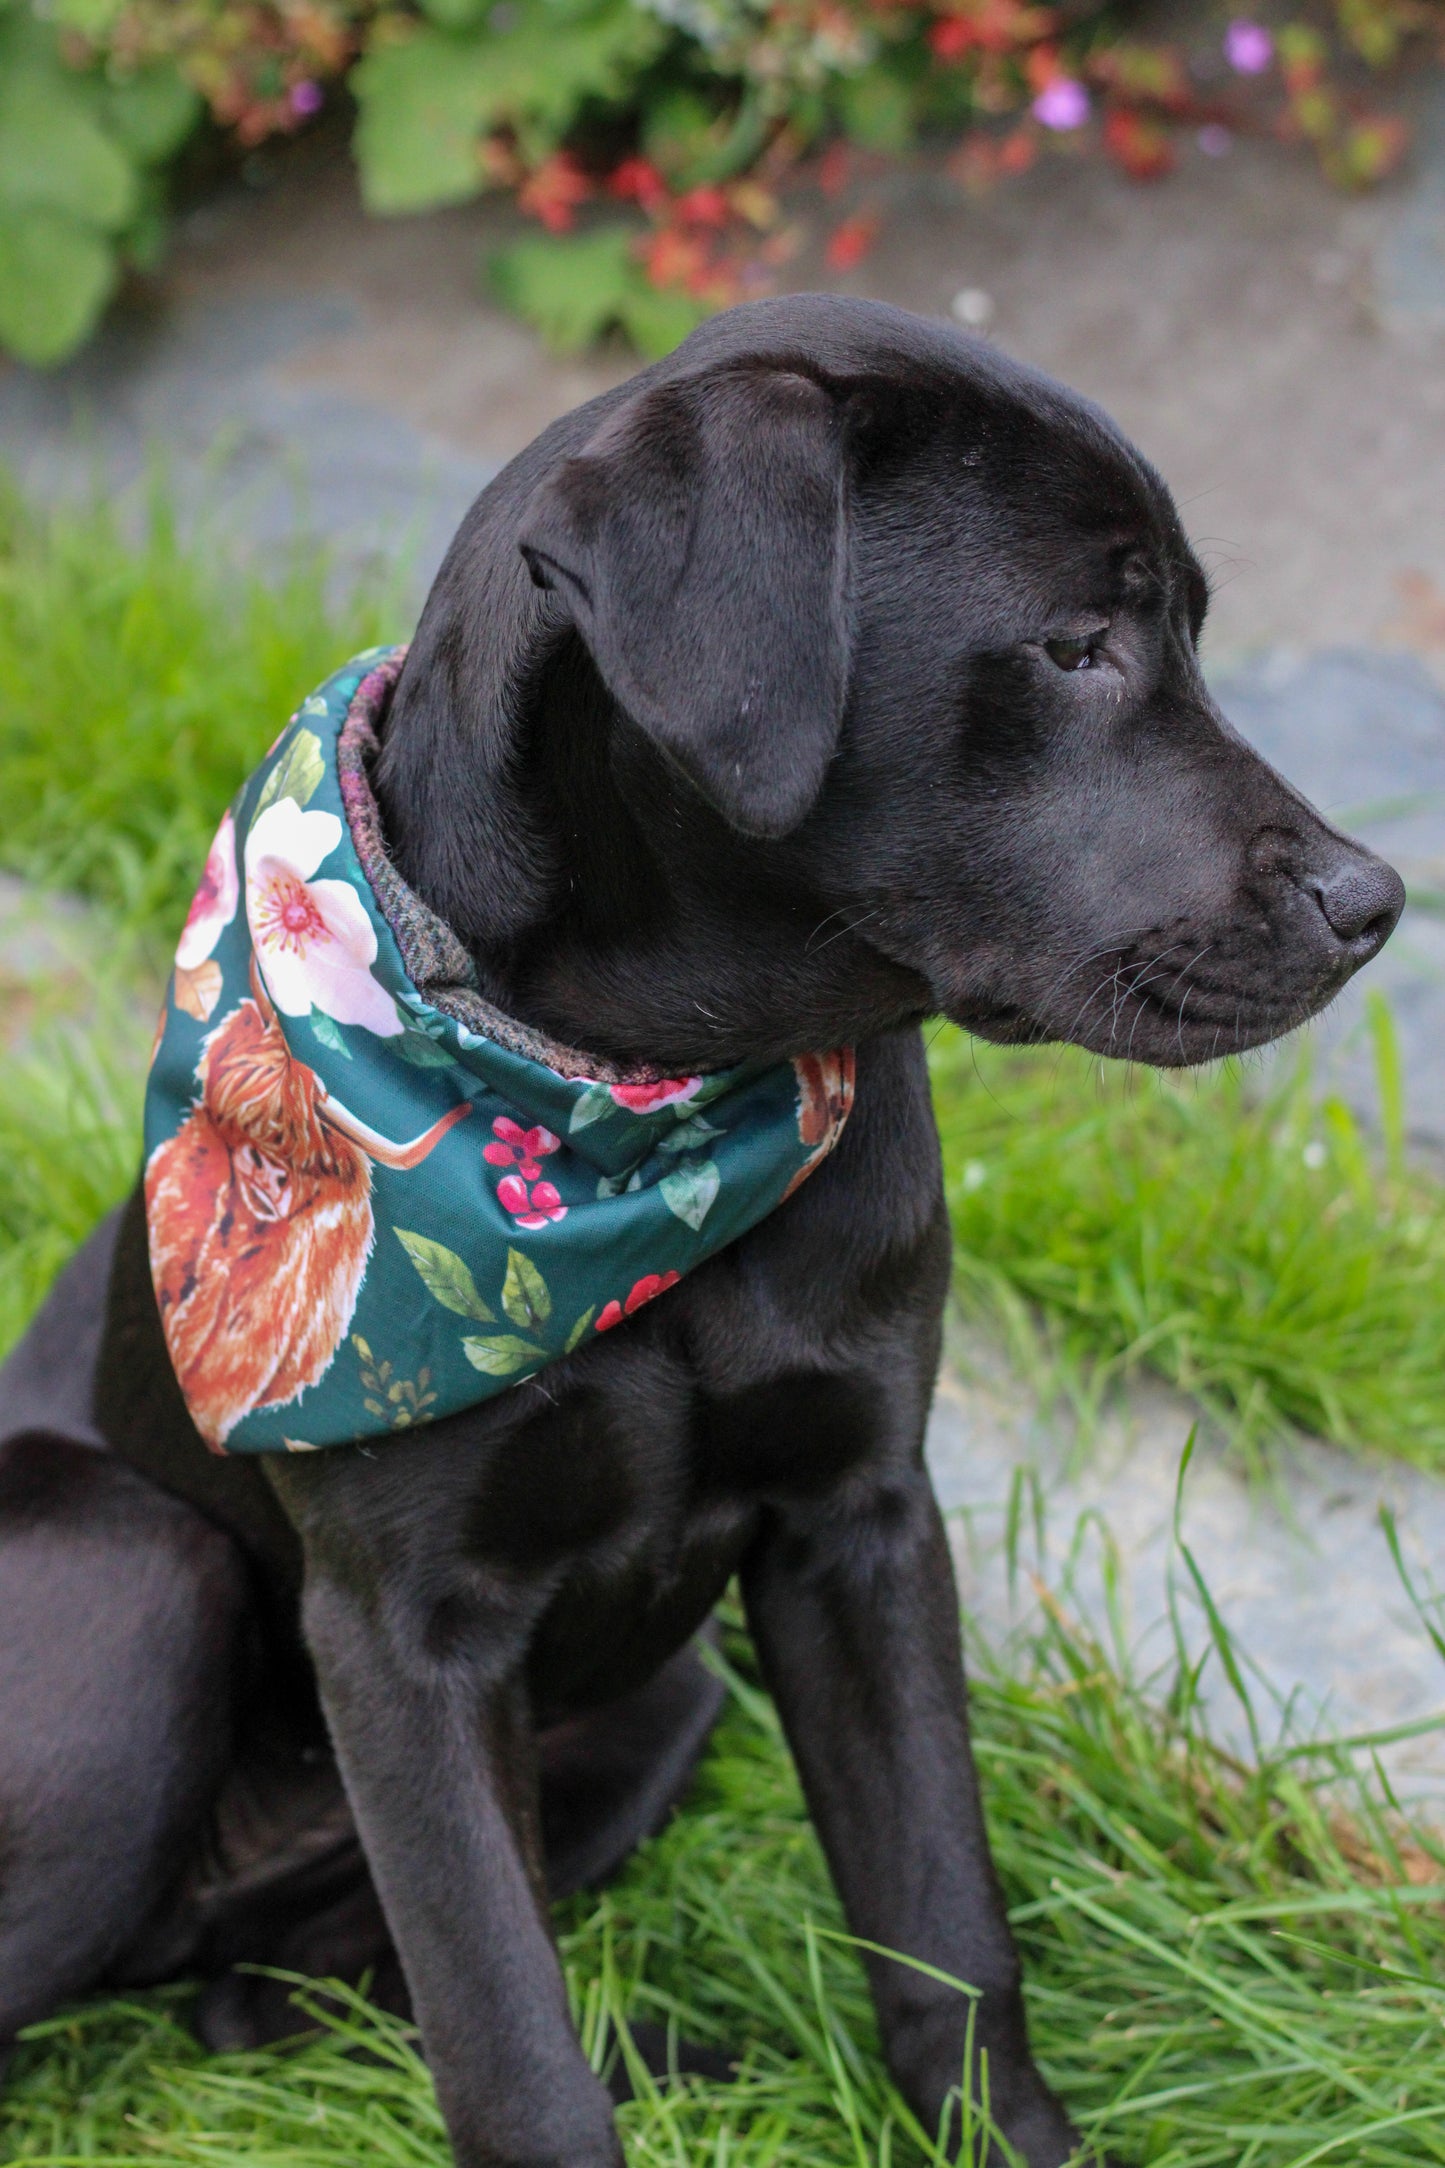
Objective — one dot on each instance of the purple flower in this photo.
(1064, 104)
(1215, 141)
(306, 99)
(1248, 47)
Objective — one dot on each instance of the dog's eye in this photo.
(1072, 654)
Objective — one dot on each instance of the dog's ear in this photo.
(699, 541)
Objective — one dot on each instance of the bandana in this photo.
(372, 1198)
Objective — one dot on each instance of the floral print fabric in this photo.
(364, 1214)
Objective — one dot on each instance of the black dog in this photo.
(832, 674)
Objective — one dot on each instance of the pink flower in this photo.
(1062, 104)
(530, 1209)
(669, 1091)
(306, 98)
(214, 904)
(519, 1148)
(314, 943)
(1248, 47)
(197, 978)
(643, 1290)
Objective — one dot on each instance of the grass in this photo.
(143, 676)
(1251, 1244)
(1227, 1969)
(1226, 1964)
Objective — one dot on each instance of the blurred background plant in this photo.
(674, 153)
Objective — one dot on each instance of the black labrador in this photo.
(833, 674)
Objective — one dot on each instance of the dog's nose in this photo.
(1361, 899)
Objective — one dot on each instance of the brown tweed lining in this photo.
(437, 964)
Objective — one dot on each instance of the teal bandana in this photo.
(372, 1198)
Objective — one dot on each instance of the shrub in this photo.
(683, 118)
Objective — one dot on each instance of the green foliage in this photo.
(1243, 1243)
(69, 1148)
(562, 102)
(428, 101)
(75, 155)
(576, 287)
(143, 679)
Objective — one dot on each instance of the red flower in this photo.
(952, 36)
(1140, 146)
(530, 1208)
(703, 207)
(834, 168)
(651, 1283)
(554, 191)
(673, 258)
(668, 1091)
(851, 241)
(519, 1148)
(637, 180)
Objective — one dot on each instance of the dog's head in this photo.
(888, 644)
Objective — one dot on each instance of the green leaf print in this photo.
(579, 1331)
(297, 775)
(445, 1276)
(690, 1191)
(594, 1104)
(525, 1294)
(688, 1135)
(328, 1032)
(499, 1355)
(420, 1049)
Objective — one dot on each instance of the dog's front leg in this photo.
(419, 1658)
(856, 1620)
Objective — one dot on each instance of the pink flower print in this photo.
(643, 1290)
(521, 1148)
(198, 979)
(313, 940)
(214, 904)
(530, 1208)
(668, 1091)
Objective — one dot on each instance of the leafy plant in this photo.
(78, 195)
(576, 288)
(429, 102)
(690, 114)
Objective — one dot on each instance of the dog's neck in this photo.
(602, 902)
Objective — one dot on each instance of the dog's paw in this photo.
(241, 2011)
(1040, 2133)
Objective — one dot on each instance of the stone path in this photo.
(1301, 1572)
(1277, 350)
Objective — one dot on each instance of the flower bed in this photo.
(675, 154)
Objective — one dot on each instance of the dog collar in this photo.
(373, 1199)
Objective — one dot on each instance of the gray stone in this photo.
(1363, 735)
(1410, 256)
(201, 392)
(1300, 1569)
